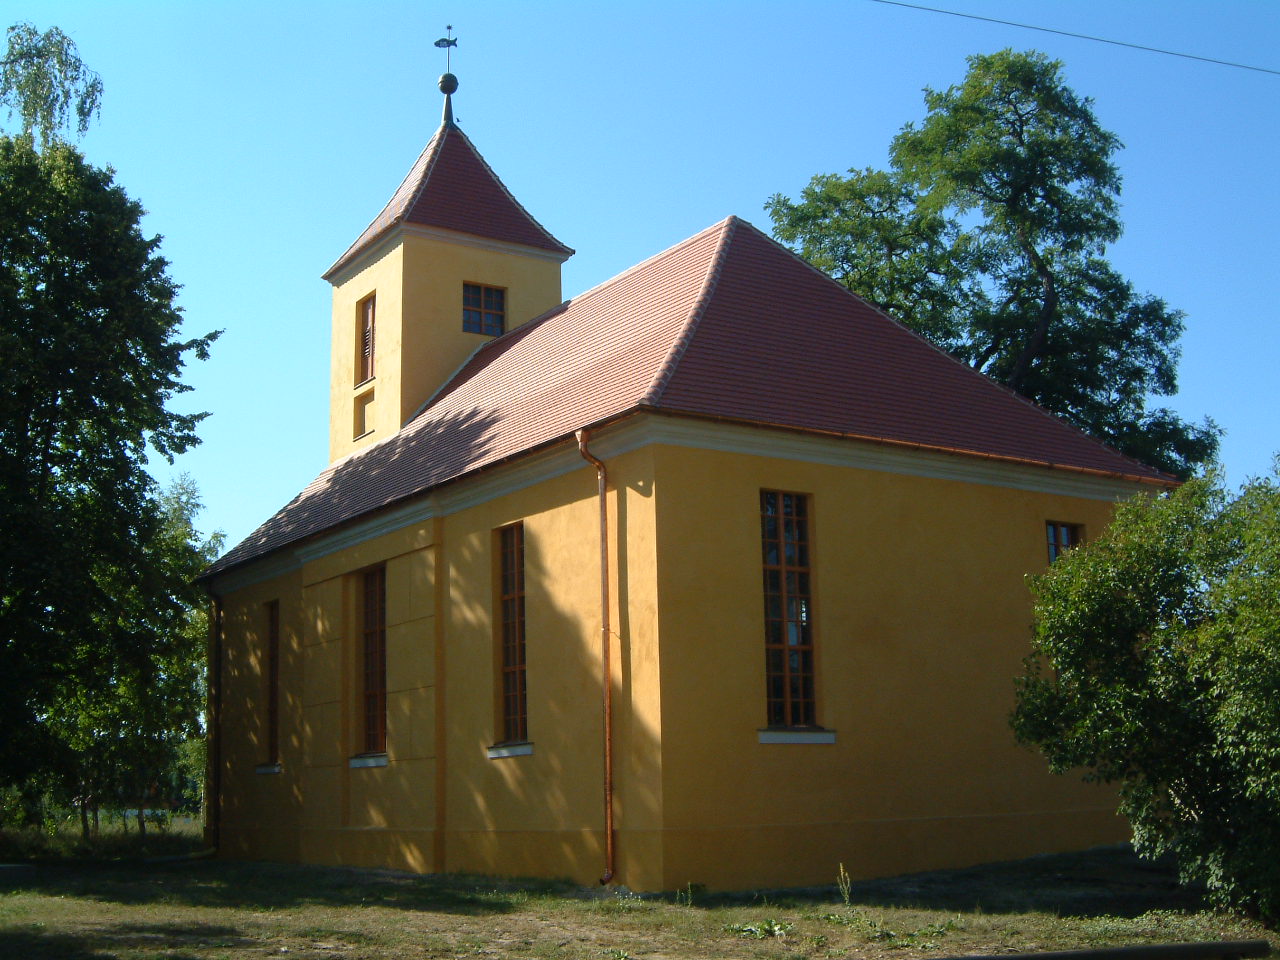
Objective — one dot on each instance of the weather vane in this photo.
(445, 43)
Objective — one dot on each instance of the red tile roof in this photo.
(728, 325)
(451, 186)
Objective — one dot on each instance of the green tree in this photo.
(44, 80)
(988, 235)
(125, 741)
(89, 333)
(1156, 667)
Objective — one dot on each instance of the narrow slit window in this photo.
(365, 340)
(514, 726)
(273, 682)
(788, 610)
(374, 656)
(484, 309)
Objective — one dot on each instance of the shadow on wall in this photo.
(378, 477)
(545, 813)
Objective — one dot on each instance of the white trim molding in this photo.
(796, 736)
(502, 750)
(642, 429)
(764, 441)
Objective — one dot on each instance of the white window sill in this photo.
(268, 768)
(369, 760)
(510, 750)
(797, 736)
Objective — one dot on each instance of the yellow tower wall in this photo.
(382, 276)
(434, 343)
(417, 278)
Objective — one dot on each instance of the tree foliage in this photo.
(988, 235)
(92, 582)
(1157, 667)
(43, 79)
(123, 741)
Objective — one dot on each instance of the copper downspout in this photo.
(602, 479)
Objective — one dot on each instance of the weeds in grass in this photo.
(875, 931)
(761, 930)
(845, 885)
(685, 897)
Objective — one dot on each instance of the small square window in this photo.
(1061, 538)
(362, 416)
(484, 309)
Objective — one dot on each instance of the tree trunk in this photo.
(142, 821)
(1048, 310)
(84, 820)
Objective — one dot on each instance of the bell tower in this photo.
(452, 261)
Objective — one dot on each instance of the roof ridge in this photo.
(642, 265)
(510, 196)
(1062, 421)
(365, 239)
(437, 141)
(681, 342)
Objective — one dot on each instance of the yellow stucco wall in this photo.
(535, 814)
(261, 811)
(921, 616)
(921, 622)
(543, 813)
(337, 813)
(419, 340)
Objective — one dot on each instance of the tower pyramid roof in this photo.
(451, 187)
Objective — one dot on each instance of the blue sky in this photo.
(263, 136)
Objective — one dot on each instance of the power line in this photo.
(1078, 36)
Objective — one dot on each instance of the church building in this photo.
(711, 574)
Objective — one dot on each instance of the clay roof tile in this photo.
(726, 325)
(452, 187)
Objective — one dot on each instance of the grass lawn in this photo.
(207, 909)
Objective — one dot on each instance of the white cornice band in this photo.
(646, 429)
